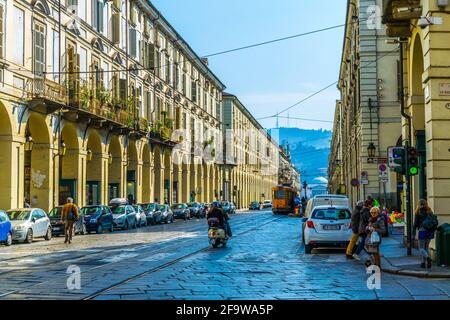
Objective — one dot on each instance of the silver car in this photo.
(30, 223)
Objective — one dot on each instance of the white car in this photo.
(327, 227)
(326, 200)
(29, 224)
(267, 204)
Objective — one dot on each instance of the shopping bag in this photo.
(375, 238)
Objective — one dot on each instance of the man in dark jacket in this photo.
(356, 217)
(363, 223)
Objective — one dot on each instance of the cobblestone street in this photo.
(264, 260)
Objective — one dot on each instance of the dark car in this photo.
(255, 205)
(228, 207)
(58, 226)
(195, 209)
(181, 211)
(152, 212)
(98, 218)
(166, 213)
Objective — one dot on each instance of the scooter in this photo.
(217, 236)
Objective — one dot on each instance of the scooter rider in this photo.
(217, 212)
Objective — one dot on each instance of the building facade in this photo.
(367, 118)
(423, 30)
(250, 156)
(103, 99)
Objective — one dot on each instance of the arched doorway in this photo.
(177, 178)
(132, 172)
(94, 169)
(37, 161)
(68, 184)
(146, 174)
(168, 172)
(7, 157)
(417, 112)
(159, 176)
(115, 169)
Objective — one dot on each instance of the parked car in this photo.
(326, 200)
(98, 218)
(29, 224)
(124, 217)
(228, 207)
(141, 216)
(58, 225)
(152, 212)
(195, 209)
(181, 211)
(267, 204)
(255, 205)
(6, 229)
(327, 227)
(166, 213)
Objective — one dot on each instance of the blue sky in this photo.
(272, 77)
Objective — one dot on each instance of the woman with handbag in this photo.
(426, 222)
(374, 231)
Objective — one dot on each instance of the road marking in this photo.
(119, 257)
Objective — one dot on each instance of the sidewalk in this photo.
(395, 260)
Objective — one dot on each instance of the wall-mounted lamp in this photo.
(29, 143)
(89, 155)
(371, 150)
(110, 159)
(63, 148)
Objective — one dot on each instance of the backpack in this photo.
(71, 214)
(430, 223)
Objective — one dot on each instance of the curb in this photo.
(413, 273)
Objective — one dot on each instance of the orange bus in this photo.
(283, 199)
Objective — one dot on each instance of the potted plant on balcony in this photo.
(131, 103)
(103, 95)
(85, 97)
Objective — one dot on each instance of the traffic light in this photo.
(399, 160)
(413, 162)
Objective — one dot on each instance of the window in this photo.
(98, 8)
(123, 33)
(83, 64)
(106, 75)
(18, 43)
(331, 214)
(55, 55)
(194, 90)
(39, 49)
(133, 42)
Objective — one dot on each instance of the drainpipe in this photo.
(402, 94)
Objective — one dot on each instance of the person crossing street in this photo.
(69, 215)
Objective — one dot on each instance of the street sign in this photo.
(397, 159)
(376, 160)
(364, 178)
(383, 173)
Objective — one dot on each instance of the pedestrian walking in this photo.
(26, 203)
(362, 230)
(68, 216)
(426, 223)
(356, 216)
(375, 229)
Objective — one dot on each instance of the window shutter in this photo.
(123, 88)
(116, 28)
(151, 56)
(133, 43)
(94, 14)
(100, 14)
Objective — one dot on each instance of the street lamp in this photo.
(29, 143)
(371, 150)
(89, 154)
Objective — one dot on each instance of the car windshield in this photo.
(150, 206)
(178, 206)
(191, 205)
(224, 203)
(55, 213)
(267, 201)
(118, 210)
(89, 210)
(18, 215)
(331, 214)
(255, 202)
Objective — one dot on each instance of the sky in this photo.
(269, 78)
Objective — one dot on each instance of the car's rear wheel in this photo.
(29, 238)
(8, 240)
(308, 249)
(48, 235)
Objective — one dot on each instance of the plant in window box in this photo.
(130, 122)
(117, 104)
(131, 103)
(103, 95)
(85, 96)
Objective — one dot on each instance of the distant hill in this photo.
(309, 151)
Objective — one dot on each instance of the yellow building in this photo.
(423, 30)
(367, 119)
(251, 156)
(103, 103)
